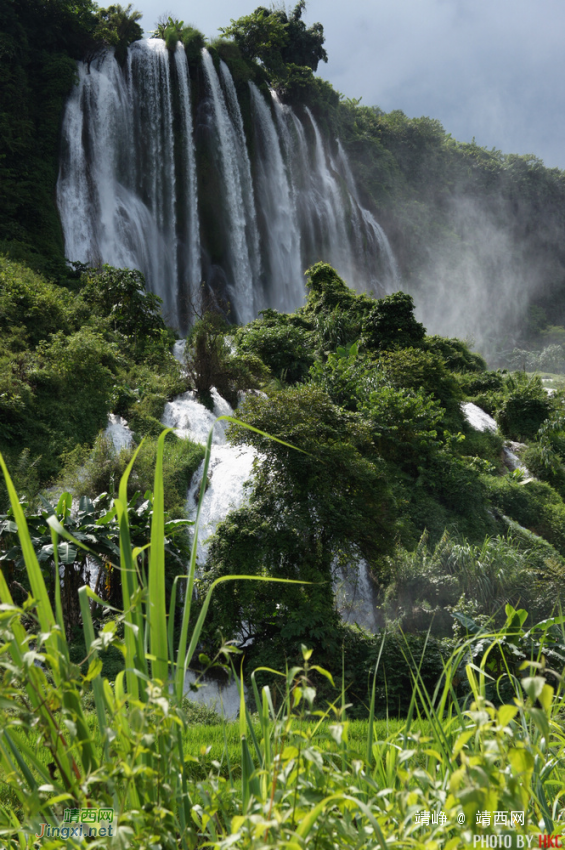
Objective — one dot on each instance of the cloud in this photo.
(490, 70)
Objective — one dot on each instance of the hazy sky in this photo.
(492, 69)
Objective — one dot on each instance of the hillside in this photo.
(386, 478)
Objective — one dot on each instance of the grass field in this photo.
(297, 777)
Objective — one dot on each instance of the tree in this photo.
(305, 44)
(307, 508)
(210, 362)
(118, 27)
(392, 324)
(278, 40)
(120, 295)
(282, 344)
(261, 35)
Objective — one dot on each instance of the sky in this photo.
(493, 70)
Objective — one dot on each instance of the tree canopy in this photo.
(277, 39)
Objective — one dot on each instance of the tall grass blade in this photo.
(38, 589)
(134, 624)
(157, 611)
(97, 688)
(370, 730)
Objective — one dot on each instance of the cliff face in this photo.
(476, 234)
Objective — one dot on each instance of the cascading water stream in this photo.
(117, 190)
(244, 166)
(238, 248)
(285, 282)
(355, 597)
(133, 193)
(332, 205)
(189, 253)
(371, 230)
(229, 470)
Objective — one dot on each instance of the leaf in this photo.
(94, 668)
(323, 672)
(533, 686)
(462, 740)
(506, 713)
(546, 697)
(67, 553)
(540, 719)
(157, 599)
(468, 624)
(521, 760)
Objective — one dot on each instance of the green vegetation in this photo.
(210, 363)
(40, 42)
(172, 31)
(117, 27)
(389, 470)
(302, 774)
(69, 357)
(368, 456)
(279, 41)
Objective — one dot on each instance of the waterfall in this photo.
(266, 196)
(237, 248)
(189, 256)
(332, 206)
(117, 191)
(154, 112)
(373, 231)
(286, 286)
(354, 595)
(118, 432)
(244, 167)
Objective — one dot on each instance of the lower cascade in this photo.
(355, 597)
(230, 472)
(211, 191)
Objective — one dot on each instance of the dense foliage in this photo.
(389, 471)
(278, 40)
(301, 773)
(373, 461)
(69, 357)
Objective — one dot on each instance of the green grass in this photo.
(301, 776)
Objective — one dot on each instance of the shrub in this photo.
(421, 588)
(457, 356)
(524, 408)
(89, 472)
(33, 306)
(536, 506)
(120, 295)
(210, 363)
(283, 345)
(416, 369)
(479, 383)
(391, 324)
